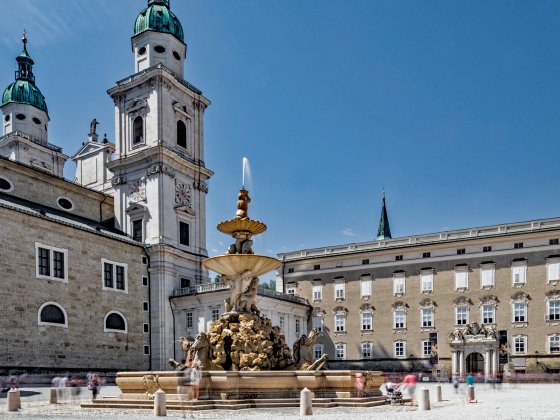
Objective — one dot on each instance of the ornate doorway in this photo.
(475, 363)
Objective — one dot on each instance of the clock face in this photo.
(183, 194)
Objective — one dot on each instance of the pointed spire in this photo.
(25, 63)
(384, 231)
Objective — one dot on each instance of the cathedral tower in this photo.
(159, 175)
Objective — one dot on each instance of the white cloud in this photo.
(348, 232)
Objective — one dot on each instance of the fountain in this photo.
(243, 356)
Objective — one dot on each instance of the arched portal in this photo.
(475, 363)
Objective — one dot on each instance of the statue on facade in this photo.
(93, 126)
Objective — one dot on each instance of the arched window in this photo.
(114, 321)
(181, 134)
(138, 130)
(51, 313)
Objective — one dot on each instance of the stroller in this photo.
(395, 394)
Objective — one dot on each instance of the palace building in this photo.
(484, 299)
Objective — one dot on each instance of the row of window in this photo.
(138, 232)
(138, 132)
(487, 279)
(427, 254)
(399, 348)
(427, 316)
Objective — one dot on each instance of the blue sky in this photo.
(452, 106)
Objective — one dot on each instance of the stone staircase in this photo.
(200, 405)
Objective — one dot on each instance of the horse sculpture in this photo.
(303, 352)
(186, 344)
(202, 351)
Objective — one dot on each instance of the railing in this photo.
(160, 66)
(33, 139)
(213, 287)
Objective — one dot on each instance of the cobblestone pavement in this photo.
(519, 402)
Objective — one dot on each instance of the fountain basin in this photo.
(229, 227)
(234, 264)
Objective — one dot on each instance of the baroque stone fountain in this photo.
(243, 356)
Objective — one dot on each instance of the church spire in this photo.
(384, 231)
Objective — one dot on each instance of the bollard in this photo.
(424, 402)
(159, 403)
(53, 398)
(438, 393)
(305, 403)
(18, 398)
(12, 403)
(470, 394)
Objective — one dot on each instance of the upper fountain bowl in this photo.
(254, 227)
(233, 264)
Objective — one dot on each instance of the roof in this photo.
(158, 17)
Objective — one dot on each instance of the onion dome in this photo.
(158, 18)
(24, 90)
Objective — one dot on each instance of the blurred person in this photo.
(359, 385)
(455, 381)
(410, 382)
(93, 386)
(195, 380)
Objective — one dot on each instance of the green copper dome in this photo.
(158, 18)
(24, 90)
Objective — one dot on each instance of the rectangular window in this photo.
(426, 348)
(367, 320)
(340, 323)
(145, 282)
(461, 315)
(189, 319)
(398, 258)
(317, 267)
(486, 248)
(427, 317)
(461, 278)
(146, 328)
(426, 255)
(340, 351)
(185, 283)
(298, 326)
(215, 314)
(146, 350)
(339, 290)
(553, 241)
(554, 343)
(518, 245)
(282, 323)
(461, 251)
(317, 351)
(51, 262)
(398, 283)
(137, 233)
(184, 233)
(144, 260)
(114, 275)
(290, 270)
(365, 262)
(487, 273)
(519, 272)
(426, 281)
(400, 349)
(291, 291)
(317, 292)
(317, 323)
(488, 314)
(365, 287)
(519, 312)
(520, 344)
(553, 269)
(366, 350)
(553, 310)
(400, 319)
(145, 306)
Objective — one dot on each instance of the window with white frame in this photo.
(554, 343)
(51, 262)
(216, 314)
(115, 322)
(520, 344)
(51, 313)
(461, 315)
(365, 287)
(399, 316)
(282, 322)
(340, 322)
(519, 272)
(461, 277)
(488, 314)
(114, 275)
(317, 323)
(339, 289)
(487, 275)
(426, 281)
(426, 348)
(366, 350)
(367, 320)
(553, 310)
(399, 283)
(298, 326)
(400, 348)
(340, 351)
(189, 319)
(317, 292)
(427, 315)
(317, 351)
(519, 310)
(553, 269)
(291, 291)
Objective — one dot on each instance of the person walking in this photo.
(410, 382)
(195, 380)
(359, 385)
(455, 381)
(93, 386)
